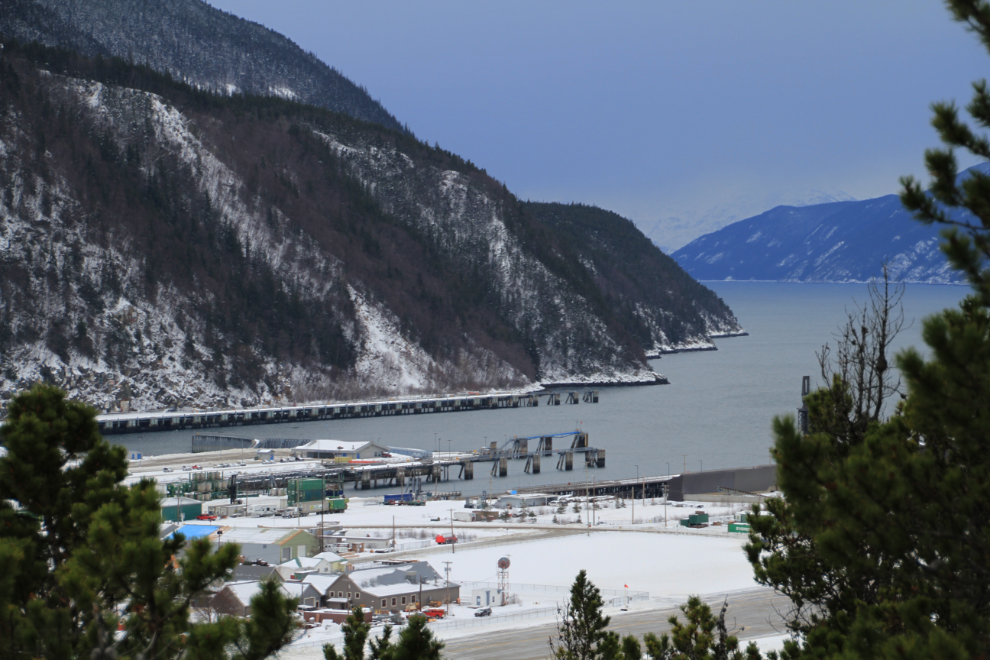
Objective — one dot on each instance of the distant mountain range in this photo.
(193, 42)
(834, 242)
(675, 230)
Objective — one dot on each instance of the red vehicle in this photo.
(444, 540)
(434, 612)
(206, 516)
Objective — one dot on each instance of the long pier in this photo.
(642, 488)
(149, 422)
(433, 470)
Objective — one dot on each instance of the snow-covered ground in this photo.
(668, 561)
(669, 566)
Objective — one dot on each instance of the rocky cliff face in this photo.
(163, 246)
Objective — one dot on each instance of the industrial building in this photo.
(272, 545)
(179, 509)
(721, 483)
(524, 501)
(340, 451)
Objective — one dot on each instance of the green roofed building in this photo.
(178, 509)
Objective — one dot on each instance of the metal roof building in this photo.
(272, 545)
(340, 450)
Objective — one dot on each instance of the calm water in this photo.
(716, 412)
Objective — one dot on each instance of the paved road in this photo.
(751, 614)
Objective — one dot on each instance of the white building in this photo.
(521, 501)
(304, 566)
(340, 451)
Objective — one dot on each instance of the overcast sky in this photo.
(655, 109)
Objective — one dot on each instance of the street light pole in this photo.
(702, 463)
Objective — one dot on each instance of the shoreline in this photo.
(656, 355)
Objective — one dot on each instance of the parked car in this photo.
(206, 516)
(166, 469)
(485, 611)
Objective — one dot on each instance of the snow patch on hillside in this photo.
(386, 356)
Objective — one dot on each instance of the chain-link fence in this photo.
(305, 642)
(518, 587)
(543, 612)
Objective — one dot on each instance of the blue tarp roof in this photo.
(195, 531)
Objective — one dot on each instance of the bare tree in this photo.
(860, 373)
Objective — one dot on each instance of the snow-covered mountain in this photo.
(834, 242)
(675, 230)
(194, 42)
(164, 246)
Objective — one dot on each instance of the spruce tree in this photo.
(81, 553)
(416, 642)
(703, 636)
(355, 630)
(883, 538)
(582, 631)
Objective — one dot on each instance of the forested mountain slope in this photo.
(659, 304)
(163, 246)
(192, 41)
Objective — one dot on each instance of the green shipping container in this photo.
(695, 519)
(739, 528)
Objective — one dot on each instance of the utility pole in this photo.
(633, 491)
(447, 569)
(453, 545)
(393, 533)
(587, 498)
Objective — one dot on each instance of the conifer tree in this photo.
(82, 553)
(381, 647)
(702, 636)
(582, 631)
(416, 642)
(355, 630)
(883, 538)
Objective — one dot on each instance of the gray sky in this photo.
(665, 112)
